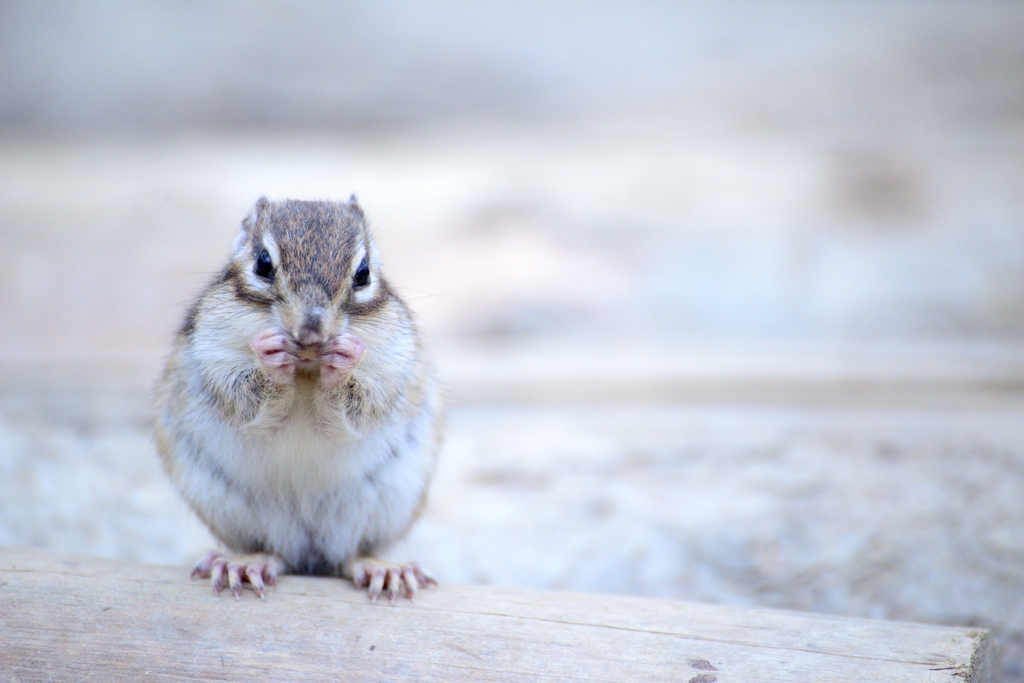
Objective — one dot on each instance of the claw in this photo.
(359, 577)
(234, 580)
(254, 574)
(377, 582)
(424, 577)
(258, 570)
(377, 576)
(217, 577)
(409, 576)
(394, 583)
(202, 567)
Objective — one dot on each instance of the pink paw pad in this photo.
(340, 357)
(272, 350)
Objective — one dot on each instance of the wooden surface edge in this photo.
(471, 628)
(984, 662)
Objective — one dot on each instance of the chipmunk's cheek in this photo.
(341, 357)
(270, 348)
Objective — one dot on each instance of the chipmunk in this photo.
(296, 413)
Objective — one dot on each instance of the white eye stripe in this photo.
(257, 282)
(271, 248)
(366, 293)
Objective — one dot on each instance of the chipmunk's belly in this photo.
(315, 500)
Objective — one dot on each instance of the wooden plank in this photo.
(83, 618)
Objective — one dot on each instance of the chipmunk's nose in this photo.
(312, 329)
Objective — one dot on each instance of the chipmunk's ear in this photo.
(249, 224)
(353, 204)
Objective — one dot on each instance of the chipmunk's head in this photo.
(313, 266)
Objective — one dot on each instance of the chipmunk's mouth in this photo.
(306, 353)
(334, 357)
(342, 349)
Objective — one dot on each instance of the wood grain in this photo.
(64, 619)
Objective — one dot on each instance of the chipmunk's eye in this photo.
(264, 266)
(362, 276)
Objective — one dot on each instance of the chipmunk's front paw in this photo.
(272, 350)
(376, 576)
(340, 357)
(257, 571)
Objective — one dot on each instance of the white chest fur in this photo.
(313, 494)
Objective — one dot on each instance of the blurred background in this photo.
(729, 299)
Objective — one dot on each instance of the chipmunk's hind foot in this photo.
(378, 576)
(256, 571)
